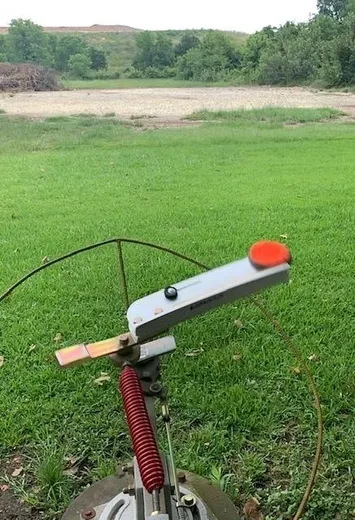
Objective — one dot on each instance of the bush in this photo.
(135, 73)
(23, 77)
(211, 60)
(67, 46)
(169, 72)
(154, 51)
(105, 74)
(98, 59)
(153, 72)
(322, 51)
(79, 66)
(188, 41)
(272, 69)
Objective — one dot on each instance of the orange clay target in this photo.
(268, 253)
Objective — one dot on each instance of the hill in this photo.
(120, 47)
(119, 41)
(96, 28)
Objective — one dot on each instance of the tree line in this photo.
(212, 58)
(27, 42)
(321, 51)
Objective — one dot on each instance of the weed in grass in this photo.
(219, 478)
(103, 467)
(54, 486)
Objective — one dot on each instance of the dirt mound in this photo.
(97, 28)
(21, 77)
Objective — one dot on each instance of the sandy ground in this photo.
(168, 103)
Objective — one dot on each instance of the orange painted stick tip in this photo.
(269, 253)
(74, 355)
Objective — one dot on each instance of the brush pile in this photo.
(22, 76)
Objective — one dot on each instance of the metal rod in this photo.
(123, 273)
(95, 246)
(172, 462)
(156, 500)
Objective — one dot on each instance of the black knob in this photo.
(170, 293)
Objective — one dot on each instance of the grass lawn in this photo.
(138, 83)
(240, 407)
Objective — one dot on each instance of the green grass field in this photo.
(242, 412)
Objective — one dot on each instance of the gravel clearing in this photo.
(168, 103)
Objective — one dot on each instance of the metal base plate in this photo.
(218, 504)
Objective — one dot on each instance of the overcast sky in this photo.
(235, 15)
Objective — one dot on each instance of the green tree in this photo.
(292, 56)
(337, 9)
(154, 52)
(79, 65)
(66, 47)
(145, 42)
(342, 52)
(256, 45)
(163, 52)
(3, 48)
(98, 59)
(213, 59)
(188, 41)
(52, 47)
(323, 29)
(27, 42)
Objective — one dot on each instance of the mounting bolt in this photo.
(181, 476)
(88, 514)
(130, 490)
(124, 340)
(189, 500)
(155, 388)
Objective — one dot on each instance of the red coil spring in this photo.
(144, 444)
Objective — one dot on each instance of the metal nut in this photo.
(130, 490)
(124, 340)
(88, 514)
(189, 500)
(181, 476)
(155, 388)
